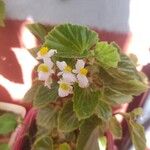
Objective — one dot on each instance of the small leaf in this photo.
(84, 102)
(43, 143)
(4, 146)
(115, 128)
(64, 146)
(67, 120)
(39, 30)
(102, 142)
(103, 110)
(47, 118)
(71, 40)
(86, 130)
(137, 135)
(107, 55)
(45, 95)
(8, 123)
(2, 13)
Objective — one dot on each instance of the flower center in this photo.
(43, 51)
(83, 71)
(68, 69)
(64, 86)
(43, 68)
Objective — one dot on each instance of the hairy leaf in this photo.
(107, 55)
(71, 40)
(86, 130)
(103, 110)
(84, 102)
(8, 123)
(64, 146)
(39, 30)
(43, 143)
(67, 120)
(47, 118)
(115, 127)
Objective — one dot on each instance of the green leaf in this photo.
(115, 128)
(39, 30)
(84, 102)
(71, 40)
(103, 110)
(4, 146)
(86, 130)
(47, 118)
(102, 142)
(8, 123)
(31, 93)
(115, 97)
(67, 120)
(2, 13)
(126, 69)
(64, 146)
(40, 95)
(43, 143)
(136, 113)
(45, 95)
(137, 135)
(107, 55)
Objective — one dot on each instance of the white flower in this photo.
(65, 88)
(46, 54)
(81, 74)
(66, 72)
(44, 74)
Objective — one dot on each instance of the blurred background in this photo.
(127, 22)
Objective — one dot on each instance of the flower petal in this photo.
(80, 64)
(51, 53)
(63, 93)
(48, 82)
(48, 62)
(43, 76)
(61, 65)
(83, 81)
(69, 77)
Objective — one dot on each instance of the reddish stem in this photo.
(110, 141)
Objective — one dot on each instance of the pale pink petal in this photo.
(69, 77)
(51, 53)
(80, 64)
(48, 62)
(83, 81)
(61, 65)
(43, 76)
(63, 93)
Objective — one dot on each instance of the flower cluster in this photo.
(68, 76)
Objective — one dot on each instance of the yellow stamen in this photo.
(64, 86)
(43, 51)
(43, 68)
(83, 71)
(68, 69)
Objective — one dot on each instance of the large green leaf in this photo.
(39, 30)
(137, 135)
(125, 70)
(40, 95)
(43, 143)
(8, 123)
(71, 40)
(115, 127)
(86, 130)
(45, 95)
(2, 13)
(67, 120)
(127, 87)
(103, 110)
(115, 97)
(107, 55)
(47, 118)
(84, 102)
